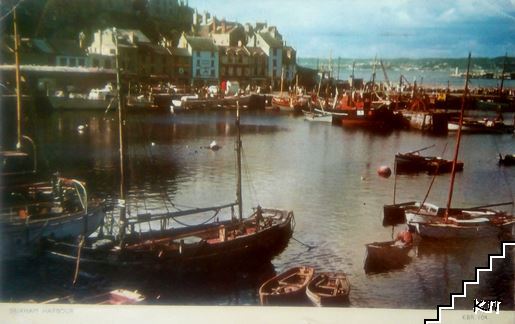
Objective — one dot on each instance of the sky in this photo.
(386, 28)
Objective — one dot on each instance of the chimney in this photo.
(223, 26)
(214, 24)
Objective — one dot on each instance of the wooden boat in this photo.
(385, 256)
(113, 297)
(31, 210)
(96, 99)
(481, 126)
(458, 222)
(329, 289)
(508, 159)
(317, 116)
(287, 288)
(413, 162)
(283, 104)
(59, 209)
(224, 240)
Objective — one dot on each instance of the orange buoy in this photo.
(384, 171)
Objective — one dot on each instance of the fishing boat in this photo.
(329, 289)
(386, 256)
(508, 159)
(314, 116)
(412, 162)
(458, 222)
(96, 99)
(476, 126)
(287, 288)
(33, 210)
(223, 241)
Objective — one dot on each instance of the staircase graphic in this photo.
(466, 283)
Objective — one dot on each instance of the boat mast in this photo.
(121, 131)
(282, 80)
(238, 162)
(455, 160)
(502, 74)
(18, 88)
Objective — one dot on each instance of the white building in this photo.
(204, 58)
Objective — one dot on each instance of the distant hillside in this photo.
(67, 18)
(430, 64)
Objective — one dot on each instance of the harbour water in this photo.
(325, 173)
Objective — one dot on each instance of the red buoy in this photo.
(384, 171)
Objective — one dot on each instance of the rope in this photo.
(189, 225)
(248, 175)
(304, 244)
(11, 11)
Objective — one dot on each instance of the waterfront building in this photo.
(289, 63)
(273, 47)
(204, 59)
(138, 56)
(258, 66)
(235, 64)
(69, 53)
(34, 51)
(181, 67)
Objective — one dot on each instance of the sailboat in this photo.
(32, 210)
(431, 221)
(214, 244)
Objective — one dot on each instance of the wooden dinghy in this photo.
(287, 288)
(386, 256)
(329, 289)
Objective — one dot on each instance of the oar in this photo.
(78, 260)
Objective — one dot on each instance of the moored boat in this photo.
(329, 289)
(508, 159)
(287, 288)
(481, 126)
(385, 256)
(459, 222)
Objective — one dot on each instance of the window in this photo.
(198, 62)
(107, 64)
(62, 61)
(81, 62)
(73, 62)
(240, 59)
(212, 72)
(275, 51)
(212, 54)
(198, 54)
(275, 63)
(198, 72)
(212, 63)
(95, 63)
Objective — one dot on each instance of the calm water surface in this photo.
(325, 173)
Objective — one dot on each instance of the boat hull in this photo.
(81, 103)
(385, 256)
(329, 289)
(287, 288)
(190, 249)
(20, 238)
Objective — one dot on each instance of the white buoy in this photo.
(80, 127)
(214, 146)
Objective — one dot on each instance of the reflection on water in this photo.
(325, 173)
